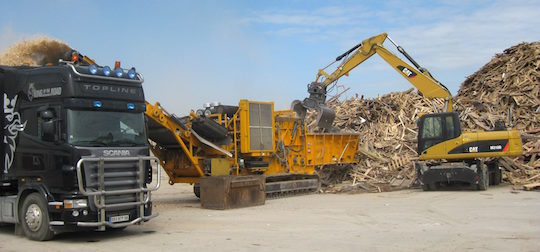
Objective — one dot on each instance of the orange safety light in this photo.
(116, 64)
(75, 57)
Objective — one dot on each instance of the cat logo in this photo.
(408, 72)
(473, 149)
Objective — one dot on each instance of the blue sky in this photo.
(192, 52)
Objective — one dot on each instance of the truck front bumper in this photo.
(66, 220)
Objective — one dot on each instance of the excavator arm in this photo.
(417, 76)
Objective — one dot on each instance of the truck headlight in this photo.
(119, 72)
(93, 69)
(132, 73)
(106, 70)
(75, 203)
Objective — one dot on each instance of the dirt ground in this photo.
(499, 219)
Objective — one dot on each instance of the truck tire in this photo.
(498, 176)
(430, 187)
(495, 174)
(483, 181)
(197, 190)
(34, 218)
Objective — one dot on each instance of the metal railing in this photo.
(98, 194)
(70, 64)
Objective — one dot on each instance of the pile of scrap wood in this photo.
(509, 85)
(387, 144)
(388, 128)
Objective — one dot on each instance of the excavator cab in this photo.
(437, 128)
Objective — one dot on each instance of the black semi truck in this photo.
(75, 153)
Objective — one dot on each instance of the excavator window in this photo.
(432, 128)
(449, 126)
(436, 128)
(431, 132)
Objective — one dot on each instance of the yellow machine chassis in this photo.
(293, 151)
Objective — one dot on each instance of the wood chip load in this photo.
(388, 123)
(35, 52)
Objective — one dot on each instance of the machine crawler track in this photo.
(279, 186)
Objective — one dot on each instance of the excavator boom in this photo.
(416, 75)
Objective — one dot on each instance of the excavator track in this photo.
(280, 186)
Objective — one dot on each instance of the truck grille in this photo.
(117, 175)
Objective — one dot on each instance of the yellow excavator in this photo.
(446, 154)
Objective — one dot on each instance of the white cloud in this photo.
(299, 19)
(449, 36)
(316, 21)
(470, 40)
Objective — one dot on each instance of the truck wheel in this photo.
(483, 182)
(34, 218)
(197, 190)
(498, 176)
(430, 187)
(495, 174)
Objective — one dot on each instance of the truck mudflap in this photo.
(107, 212)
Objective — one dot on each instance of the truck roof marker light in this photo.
(116, 64)
(93, 69)
(97, 104)
(74, 57)
(131, 106)
(119, 72)
(107, 71)
(132, 73)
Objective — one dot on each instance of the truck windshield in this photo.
(105, 128)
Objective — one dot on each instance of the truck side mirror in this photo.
(48, 125)
(48, 129)
(46, 114)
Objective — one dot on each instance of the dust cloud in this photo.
(36, 52)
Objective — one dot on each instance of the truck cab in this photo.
(75, 150)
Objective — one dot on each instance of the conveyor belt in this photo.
(161, 135)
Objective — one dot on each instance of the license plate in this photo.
(119, 218)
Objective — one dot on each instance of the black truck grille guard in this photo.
(116, 184)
